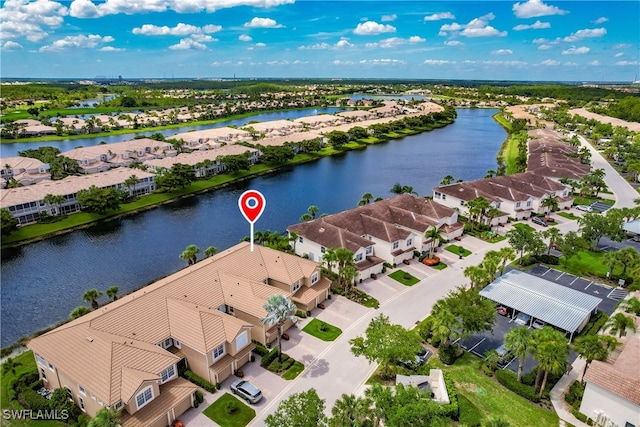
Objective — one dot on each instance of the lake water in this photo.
(9, 150)
(42, 282)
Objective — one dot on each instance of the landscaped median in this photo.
(458, 250)
(228, 411)
(322, 330)
(404, 277)
(288, 368)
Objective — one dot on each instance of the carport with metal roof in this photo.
(556, 305)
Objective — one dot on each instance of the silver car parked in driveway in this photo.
(246, 391)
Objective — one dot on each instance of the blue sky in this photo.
(493, 40)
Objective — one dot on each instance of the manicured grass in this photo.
(439, 266)
(586, 263)
(370, 302)
(482, 397)
(524, 226)
(458, 250)
(293, 371)
(218, 413)
(403, 277)
(579, 200)
(25, 364)
(322, 330)
(568, 215)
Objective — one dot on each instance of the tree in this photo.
(105, 417)
(551, 203)
(304, 409)
(179, 176)
(627, 257)
(434, 235)
(190, 254)
(235, 163)
(210, 251)
(91, 296)
(519, 239)
(10, 365)
(519, 342)
(338, 138)
(54, 199)
(99, 200)
(112, 292)
(130, 183)
(619, 323)
(401, 189)
(631, 305)
(279, 310)
(445, 324)
(551, 350)
(313, 211)
(330, 257)
(476, 275)
(350, 410)
(357, 132)
(386, 344)
(448, 179)
(475, 313)
(553, 234)
(571, 244)
(590, 348)
(8, 223)
(59, 401)
(477, 209)
(365, 199)
(593, 226)
(506, 254)
(79, 311)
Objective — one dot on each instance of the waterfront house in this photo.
(31, 127)
(275, 127)
(207, 139)
(207, 162)
(385, 231)
(127, 354)
(295, 140)
(25, 170)
(320, 121)
(549, 156)
(357, 115)
(27, 203)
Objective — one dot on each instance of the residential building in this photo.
(207, 139)
(320, 121)
(207, 162)
(385, 231)
(612, 392)
(25, 170)
(203, 318)
(517, 196)
(27, 203)
(550, 156)
(275, 127)
(295, 140)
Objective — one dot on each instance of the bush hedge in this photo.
(260, 350)
(548, 259)
(269, 357)
(199, 381)
(301, 314)
(449, 353)
(510, 380)
(574, 395)
(595, 323)
(582, 417)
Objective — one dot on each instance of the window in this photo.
(409, 241)
(359, 257)
(396, 245)
(51, 367)
(177, 343)
(230, 310)
(168, 373)
(81, 402)
(82, 390)
(369, 250)
(529, 204)
(168, 342)
(143, 397)
(43, 374)
(242, 340)
(517, 204)
(118, 405)
(438, 195)
(444, 197)
(296, 285)
(218, 352)
(300, 239)
(498, 205)
(41, 360)
(314, 277)
(322, 249)
(461, 202)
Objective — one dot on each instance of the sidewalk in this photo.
(561, 407)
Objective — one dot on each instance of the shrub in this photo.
(260, 350)
(32, 400)
(528, 260)
(199, 381)
(231, 407)
(269, 357)
(448, 353)
(548, 259)
(301, 314)
(574, 395)
(582, 417)
(595, 323)
(510, 380)
(198, 398)
(486, 370)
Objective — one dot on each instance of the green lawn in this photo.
(458, 250)
(217, 412)
(322, 330)
(293, 371)
(482, 397)
(403, 277)
(439, 266)
(586, 263)
(568, 215)
(524, 226)
(26, 364)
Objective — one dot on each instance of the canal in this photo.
(44, 281)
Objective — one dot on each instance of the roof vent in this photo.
(90, 339)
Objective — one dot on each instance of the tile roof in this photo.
(19, 162)
(196, 157)
(623, 376)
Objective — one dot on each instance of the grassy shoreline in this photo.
(508, 153)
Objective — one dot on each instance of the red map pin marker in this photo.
(252, 204)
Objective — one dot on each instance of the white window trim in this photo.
(162, 381)
(142, 393)
(81, 404)
(177, 343)
(213, 352)
(295, 286)
(82, 390)
(314, 277)
(396, 245)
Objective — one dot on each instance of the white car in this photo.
(584, 208)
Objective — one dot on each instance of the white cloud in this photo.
(550, 63)
(11, 45)
(545, 47)
(535, 8)
(21, 18)
(502, 52)
(586, 33)
(538, 25)
(437, 62)
(621, 46)
(188, 43)
(203, 38)
(389, 18)
(618, 55)
(600, 20)
(342, 44)
(79, 42)
(384, 61)
(439, 16)
(477, 27)
(576, 50)
(339, 62)
(453, 43)
(372, 28)
(595, 63)
(625, 63)
(154, 30)
(245, 38)
(263, 23)
(94, 9)
(260, 44)
(111, 49)
(570, 64)
(394, 42)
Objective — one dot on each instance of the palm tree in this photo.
(448, 179)
(627, 257)
(434, 234)
(475, 274)
(112, 292)
(79, 311)
(445, 324)
(365, 199)
(506, 254)
(610, 259)
(552, 357)
(551, 203)
(590, 348)
(553, 234)
(305, 217)
(210, 251)
(632, 305)
(350, 410)
(619, 323)
(105, 417)
(519, 341)
(547, 341)
(293, 237)
(401, 189)
(348, 274)
(91, 296)
(329, 257)
(54, 199)
(313, 210)
(190, 254)
(130, 183)
(279, 309)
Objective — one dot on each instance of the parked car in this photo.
(538, 324)
(539, 221)
(503, 311)
(522, 319)
(549, 219)
(504, 356)
(584, 208)
(246, 391)
(420, 359)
